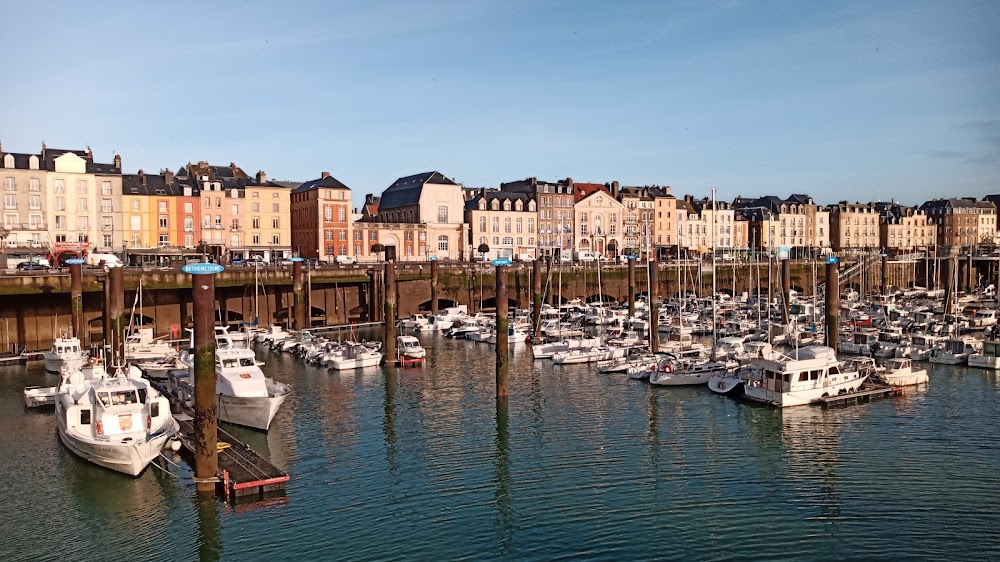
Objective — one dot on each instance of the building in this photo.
(664, 220)
(961, 223)
(692, 233)
(854, 227)
(554, 201)
(796, 223)
(637, 221)
(597, 217)
(504, 221)
(719, 220)
(321, 218)
(161, 216)
(418, 217)
(903, 229)
(25, 227)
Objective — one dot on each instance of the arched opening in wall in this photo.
(359, 313)
(390, 242)
(442, 303)
(601, 298)
(798, 289)
(492, 303)
(613, 249)
(317, 318)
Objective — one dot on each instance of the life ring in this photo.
(668, 369)
(92, 361)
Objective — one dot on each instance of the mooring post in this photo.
(631, 286)
(885, 274)
(106, 313)
(206, 455)
(786, 289)
(536, 297)
(970, 281)
(503, 342)
(549, 291)
(117, 313)
(298, 297)
(76, 298)
(654, 306)
(389, 325)
(832, 300)
(434, 287)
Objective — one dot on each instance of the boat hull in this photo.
(128, 458)
(984, 361)
(257, 412)
(801, 397)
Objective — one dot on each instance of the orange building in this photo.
(321, 218)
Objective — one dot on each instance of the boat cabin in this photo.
(991, 348)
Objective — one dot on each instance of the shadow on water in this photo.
(207, 507)
(501, 465)
(389, 419)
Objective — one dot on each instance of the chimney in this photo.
(232, 166)
(89, 153)
(43, 150)
(142, 177)
(324, 175)
(666, 189)
(261, 177)
(168, 176)
(614, 189)
(118, 162)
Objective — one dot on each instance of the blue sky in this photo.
(842, 100)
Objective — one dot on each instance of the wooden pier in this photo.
(864, 394)
(24, 357)
(244, 476)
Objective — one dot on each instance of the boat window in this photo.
(803, 376)
(105, 398)
(814, 375)
(834, 370)
(246, 362)
(124, 397)
(228, 363)
(154, 409)
(142, 395)
(989, 349)
(787, 377)
(84, 417)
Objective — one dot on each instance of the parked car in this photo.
(524, 258)
(255, 262)
(101, 260)
(345, 260)
(32, 266)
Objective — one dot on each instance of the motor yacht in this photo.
(355, 356)
(900, 372)
(118, 422)
(673, 372)
(988, 358)
(65, 352)
(142, 346)
(794, 381)
(408, 347)
(547, 350)
(956, 351)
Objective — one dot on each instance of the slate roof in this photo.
(473, 203)
(329, 182)
(21, 160)
(405, 192)
(132, 184)
(98, 168)
(583, 190)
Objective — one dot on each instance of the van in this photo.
(524, 257)
(101, 260)
(585, 256)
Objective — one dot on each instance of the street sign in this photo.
(74, 261)
(630, 257)
(202, 268)
(832, 259)
(433, 258)
(296, 259)
(784, 252)
(501, 261)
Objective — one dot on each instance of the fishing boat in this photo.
(794, 381)
(118, 422)
(65, 352)
(410, 351)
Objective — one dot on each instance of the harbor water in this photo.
(422, 464)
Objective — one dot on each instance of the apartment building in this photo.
(597, 215)
(321, 218)
(554, 201)
(505, 221)
(24, 205)
(794, 223)
(904, 228)
(161, 217)
(719, 220)
(664, 219)
(855, 226)
(638, 221)
(961, 223)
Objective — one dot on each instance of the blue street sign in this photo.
(501, 261)
(74, 261)
(433, 258)
(296, 259)
(784, 252)
(630, 257)
(202, 268)
(832, 259)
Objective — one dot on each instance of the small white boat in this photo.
(900, 372)
(671, 372)
(988, 358)
(271, 334)
(117, 422)
(409, 347)
(142, 346)
(355, 356)
(514, 335)
(66, 352)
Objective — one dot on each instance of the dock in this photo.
(14, 358)
(864, 394)
(340, 327)
(244, 476)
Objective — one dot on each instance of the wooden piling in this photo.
(503, 342)
(206, 414)
(389, 325)
(76, 298)
(885, 274)
(298, 298)
(631, 287)
(536, 297)
(832, 300)
(434, 287)
(654, 306)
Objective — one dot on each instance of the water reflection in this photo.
(389, 419)
(810, 436)
(209, 537)
(501, 465)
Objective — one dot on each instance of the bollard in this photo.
(832, 300)
(389, 324)
(631, 287)
(298, 297)
(116, 292)
(503, 342)
(536, 298)
(76, 298)
(206, 455)
(434, 287)
(885, 274)
(654, 306)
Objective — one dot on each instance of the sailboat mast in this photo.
(715, 321)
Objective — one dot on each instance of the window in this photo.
(189, 240)
(507, 241)
(163, 221)
(443, 217)
(275, 222)
(81, 186)
(256, 238)
(208, 203)
(60, 237)
(82, 238)
(10, 201)
(8, 184)
(342, 214)
(357, 250)
(327, 213)
(164, 240)
(135, 222)
(81, 204)
(276, 239)
(408, 236)
(443, 240)
(506, 224)
(218, 202)
(255, 222)
(106, 190)
(328, 235)
(255, 207)
(60, 186)
(106, 206)
(60, 203)
(373, 235)
(106, 223)
(189, 223)
(357, 235)
(137, 240)
(275, 208)
(520, 226)
(496, 224)
(33, 184)
(35, 202)
(531, 225)
(274, 196)
(107, 241)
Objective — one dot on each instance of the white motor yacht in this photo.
(116, 422)
(514, 335)
(409, 347)
(956, 351)
(142, 346)
(815, 373)
(582, 355)
(413, 322)
(547, 350)
(988, 358)
(860, 344)
(65, 351)
(921, 345)
(271, 334)
(355, 356)
(900, 372)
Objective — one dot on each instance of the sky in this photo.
(840, 100)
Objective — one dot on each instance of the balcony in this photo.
(212, 226)
(14, 227)
(188, 229)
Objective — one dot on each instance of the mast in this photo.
(256, 293)
(715, 322)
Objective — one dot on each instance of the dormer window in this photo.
(506, 205)
(8, 161)
(482, 204)
(495, 205)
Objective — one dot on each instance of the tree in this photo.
(378, 249)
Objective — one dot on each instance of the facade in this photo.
(664, 219)
(24, 207)
(855, 226)
(321, 218)
(904, 228)
(794, 223)
(719, 223)
(503, 220)
(418, 217)
(597, 220)
(161, 217)
(692, 233)
(637, 222)
(80, 211)
(961, 223)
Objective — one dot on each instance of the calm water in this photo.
(416, 465)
